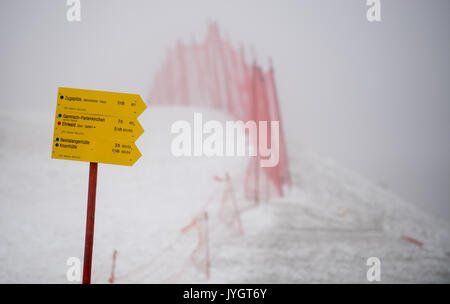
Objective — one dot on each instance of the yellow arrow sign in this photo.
(96, 150)
(90, 125)
(100, 102)
(97, 126)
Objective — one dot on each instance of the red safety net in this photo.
(200, 255)
(214, 74)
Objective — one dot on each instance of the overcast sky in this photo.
(372, 96)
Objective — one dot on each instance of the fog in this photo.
(372, 96)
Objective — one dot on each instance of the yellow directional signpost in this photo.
(88, 125)
(96, 127)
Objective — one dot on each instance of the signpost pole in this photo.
(90, 218)
(82, 134)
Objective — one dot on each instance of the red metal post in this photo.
(113, 269)
(208, 263)
(90, 218)
(256, 117)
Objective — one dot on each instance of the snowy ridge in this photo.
(323, 230)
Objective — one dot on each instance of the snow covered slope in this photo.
(326, 229)
(323, 230)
